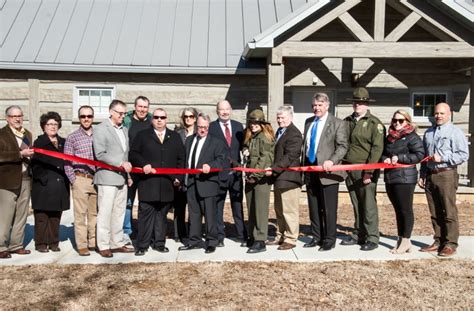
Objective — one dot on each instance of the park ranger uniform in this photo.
(365, 146)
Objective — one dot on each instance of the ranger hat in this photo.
(360, 95)
(257, 115)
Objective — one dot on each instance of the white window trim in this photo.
(420, 119)
(75, 99)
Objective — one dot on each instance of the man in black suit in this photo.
(203, 152)
(156, 147)
(231, 133)
(325, 143)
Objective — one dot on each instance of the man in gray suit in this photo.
(325, 144)
(111, 147)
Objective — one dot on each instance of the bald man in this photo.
(447, 146)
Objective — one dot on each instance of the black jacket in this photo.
(50, 188)
(409, 150)
(147, 149)
(287, 154)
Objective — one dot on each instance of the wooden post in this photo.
(276, 85)
(470, 164)
(34, 110)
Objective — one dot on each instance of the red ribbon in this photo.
(312, 168)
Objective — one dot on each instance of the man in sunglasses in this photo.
(15, 183)
(84, 195)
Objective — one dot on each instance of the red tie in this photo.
(228, 137)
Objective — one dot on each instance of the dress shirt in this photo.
(79, 144)
(322, 122)
(198, 150)
(158, 133)
(121, 135)
(449, 142)
(229, 125)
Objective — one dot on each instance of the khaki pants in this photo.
(13, 214)
(112, 202)
(85, 212)
(287, 214)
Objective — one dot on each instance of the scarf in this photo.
(394, 135)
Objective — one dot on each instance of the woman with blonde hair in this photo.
(258, 148)
(402, 145)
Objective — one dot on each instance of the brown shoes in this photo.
(83, 252)
(286, 246)
(21, 251)
(123, 249)
(106, 253)
(430, 249)
(5, 255)
(447, 251)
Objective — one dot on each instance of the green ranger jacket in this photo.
(261, 154)
(366, 139)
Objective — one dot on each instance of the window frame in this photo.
(413, 93)
(78, 88)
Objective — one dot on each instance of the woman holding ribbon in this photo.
(50, 189)
(404, 146)
(258, 148)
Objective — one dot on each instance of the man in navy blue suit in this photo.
(231, 133)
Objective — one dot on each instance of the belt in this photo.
(442, 169)
(84, 175)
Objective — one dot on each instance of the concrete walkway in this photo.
(231, 252)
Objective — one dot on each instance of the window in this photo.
(423, 103)
(98, 98)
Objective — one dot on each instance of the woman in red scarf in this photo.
(402, 145)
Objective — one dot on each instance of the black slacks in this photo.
(401, 196)
(322, 201)
(152, 224)
(47, 228)
(179, 205)
(197, 208)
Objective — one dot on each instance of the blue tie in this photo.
(312, 142)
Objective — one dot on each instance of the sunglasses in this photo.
(86, 116)
(400, 121)
(188, 117)
(160, 117)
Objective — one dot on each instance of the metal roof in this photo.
(169, 36)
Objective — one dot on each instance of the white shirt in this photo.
(198, 150)
(121, 135)
(221, 123)
(158, 133)
(322, 122)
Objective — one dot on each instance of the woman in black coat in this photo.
(402, 145)
(50, 189)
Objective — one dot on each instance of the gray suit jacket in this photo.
(108, 149)
(333, 145)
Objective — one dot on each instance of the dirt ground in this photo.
(421, 284)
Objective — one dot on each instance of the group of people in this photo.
(103, 196)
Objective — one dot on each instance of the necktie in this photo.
(312, 142)
(193, 154)
(279, 133)
(228, 137)
(160, 137)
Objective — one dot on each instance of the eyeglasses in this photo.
(119, 112)
(160, 117)
(400, 121)
(52, 124)
(16, 116)
(86, 116)
(203, 127)
(188, 117)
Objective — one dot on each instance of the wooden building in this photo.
(57, 55)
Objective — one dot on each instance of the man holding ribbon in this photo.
(15, 183)
(366, 142)
(325, 144)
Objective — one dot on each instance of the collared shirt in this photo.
(280, 133)
(79, 144)
(121, 135)
(198, 151)
(158, 133)
(449, 142)
(229, 125)
(322, 122)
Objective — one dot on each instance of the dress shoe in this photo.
(93, 249)
(140, 252)
(351, 241)
(274, 242)
(54, 249)
(42, 249)
(285, 246)
(210, 249)
(369, 246)
(83, 252)
(189, 247)
(106, 253)
(257, 247)
(123, 249)
(220, 243)
(447, 251)
(430, 249)
(162, 249)
(21, 251)
(327, 246)
(5, 255)
(313, 243)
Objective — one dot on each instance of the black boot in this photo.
(257, 247)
